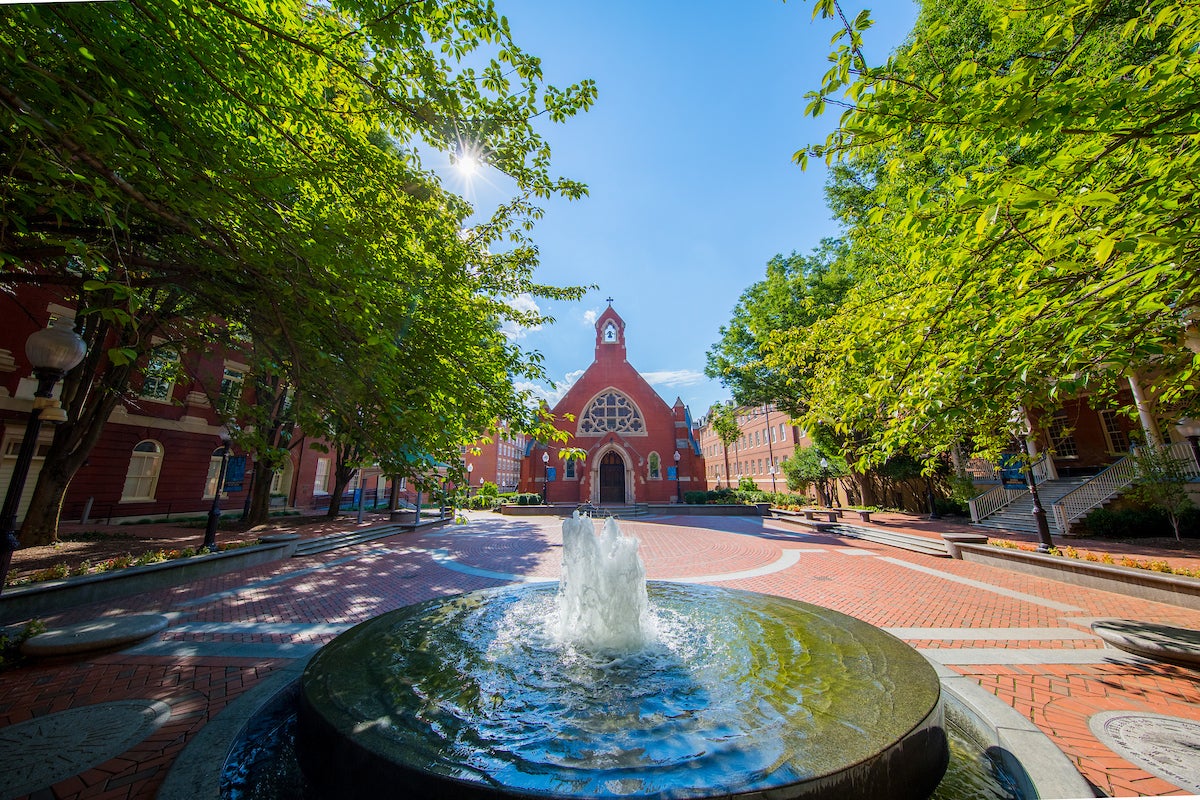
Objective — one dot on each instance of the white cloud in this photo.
(551, 396)
(590, 316)
(674, 377)
(524, 303)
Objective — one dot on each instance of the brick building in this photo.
(629, 433)
(496, 459)
(766, 437)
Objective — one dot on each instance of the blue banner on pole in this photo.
(672, 473)
(235, 473)
(551, 473)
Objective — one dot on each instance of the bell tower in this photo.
(610, 336)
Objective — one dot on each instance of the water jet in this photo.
(607, 686)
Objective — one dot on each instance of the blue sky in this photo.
(688, 158)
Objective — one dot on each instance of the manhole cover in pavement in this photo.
(1167, 747)
(42, 751)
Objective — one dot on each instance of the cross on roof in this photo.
(610, 301)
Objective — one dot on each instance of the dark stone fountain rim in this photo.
(917, 738)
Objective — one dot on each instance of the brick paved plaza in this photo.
(1024, 639)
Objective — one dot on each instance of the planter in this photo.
(51, 597)
(954, 540)
(727, 510)
(1177, 590)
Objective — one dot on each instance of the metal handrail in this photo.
(984, 505)
(1109, 482)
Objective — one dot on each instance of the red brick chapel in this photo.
(630, 435)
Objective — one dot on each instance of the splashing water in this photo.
(602, 595)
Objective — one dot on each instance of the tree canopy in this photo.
(1016, 182)
(254, 170)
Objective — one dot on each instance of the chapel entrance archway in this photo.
(612, 478)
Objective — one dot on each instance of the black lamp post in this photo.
(821, 484)
(545, 477)
(470, 469)
(53, 352)
(678, 491)
(1039, 513)
(214, 513)
(930, 497)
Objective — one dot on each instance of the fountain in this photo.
(606, 686)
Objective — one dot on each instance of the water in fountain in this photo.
(607, 687)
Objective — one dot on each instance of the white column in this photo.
(1153, 437)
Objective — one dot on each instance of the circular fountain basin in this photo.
(741, 695)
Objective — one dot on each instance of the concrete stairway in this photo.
(1018, 515)
(904, 541)
(621, 511)
(334, 541)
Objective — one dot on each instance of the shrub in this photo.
(1132, 521)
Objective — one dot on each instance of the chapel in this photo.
(639, 449)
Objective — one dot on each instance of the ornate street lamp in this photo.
(214, 513)
(53, 352)
(772, 471)
(470, 469)
(678, 491)
(545, 477)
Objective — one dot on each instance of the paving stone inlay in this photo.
(1168, 747)
(40, 752)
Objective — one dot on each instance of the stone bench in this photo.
(830, 514)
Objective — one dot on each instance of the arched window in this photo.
(214, 472)
(569, 470)
(142, 478)
(654, 465)
(611, 412)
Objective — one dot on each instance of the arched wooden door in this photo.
(612, 479)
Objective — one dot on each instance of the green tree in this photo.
(796, 291)
(724, 420)
(813, 465)
(1162, 482)
(1020, 179)
(165, 162)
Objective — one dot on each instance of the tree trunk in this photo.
(72, 444)
(260, 496)
(866, 487)
(726, 447)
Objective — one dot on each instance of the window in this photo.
(610, 333)
(781, 436)
(1062, 441)
(611, 411)
(321, 482)
(655, 466)
(569, 470)
(1118, 438)
(142, 478)
(231, 391)
(214, 472)
(160, 374)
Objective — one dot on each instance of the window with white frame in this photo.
(1062, 439)
(321, 482)
(569, 469)
(1116, 436)
(160, 374)
(141, 479)
(232, 383)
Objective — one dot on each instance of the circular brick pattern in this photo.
(1162, 745)
(42, 751)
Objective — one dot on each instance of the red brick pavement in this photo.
(880, 585)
